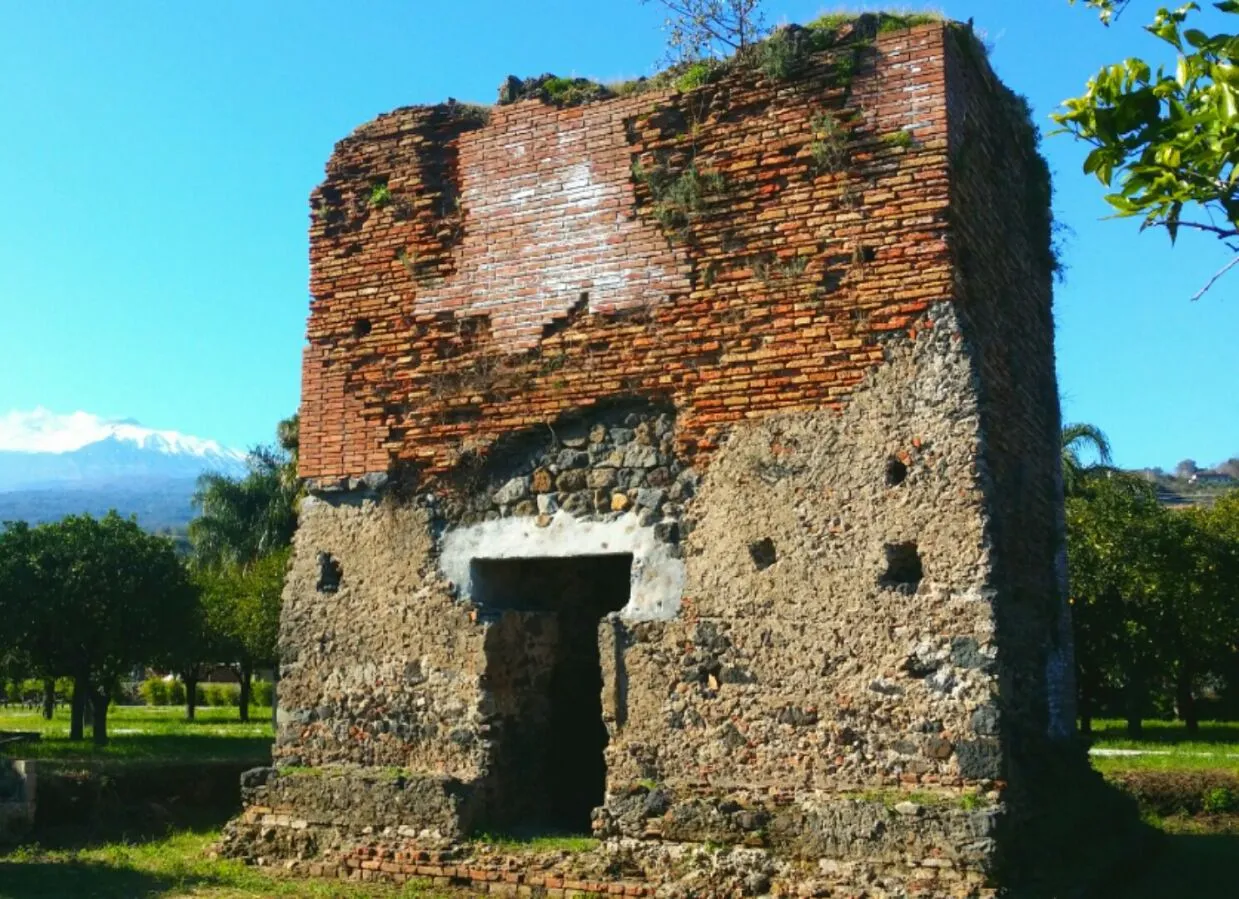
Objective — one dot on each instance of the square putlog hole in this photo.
(329, 573)
(763, 553)
(903, 567)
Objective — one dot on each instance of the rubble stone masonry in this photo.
(694, 451)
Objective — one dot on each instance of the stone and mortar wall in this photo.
(1002, 244)
(381, 668)
(807, 668)
(805, 409)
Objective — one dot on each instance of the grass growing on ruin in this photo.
(147, 734)
(545, 843)
(174, 866)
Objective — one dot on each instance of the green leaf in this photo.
(1172, 221)
(1196, 37)
(1125, 206)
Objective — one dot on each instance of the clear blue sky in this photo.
(156, 161)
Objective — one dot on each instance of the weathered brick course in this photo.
(518, 271)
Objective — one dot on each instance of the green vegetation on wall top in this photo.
(781, 55)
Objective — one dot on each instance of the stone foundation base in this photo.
(343, 824)
(630, 868)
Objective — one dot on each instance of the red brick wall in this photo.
(519, 269)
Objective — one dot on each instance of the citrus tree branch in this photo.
(1218, 274)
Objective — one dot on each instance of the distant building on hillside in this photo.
(1212, 479)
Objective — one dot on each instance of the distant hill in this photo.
(54, 465)
(1200, 489)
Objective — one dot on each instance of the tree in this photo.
(1113, 566)
(240, 552)
(18, 602)
(1075, 438)
(197, 646)
(241, 610)
(1155, 598)
(258, 617)
(1199, 627)
(704, 29)
(103, 597)
(1169, 136)
(1185, 469)
(241, 519)
(1221, 523)
(38, 615)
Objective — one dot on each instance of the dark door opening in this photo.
(544, 687)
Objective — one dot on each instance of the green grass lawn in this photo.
(147, 734)
(1199, 866)
(174, 866)
(1166, 746)
(1198, 857)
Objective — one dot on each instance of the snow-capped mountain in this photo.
(52, 464)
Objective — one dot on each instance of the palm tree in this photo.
(1078, 437)
(243, 528)
(242, 519)
(288, 436)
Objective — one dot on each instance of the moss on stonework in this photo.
(363, 773)
(900, 138)
(573, 91)
(892, 797)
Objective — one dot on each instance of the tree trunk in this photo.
(49, 698)
(77, 711)
(1134, 701)
(1185, 700)
(247, 674)
(1084, 700)
(191, 695)
(99, 723)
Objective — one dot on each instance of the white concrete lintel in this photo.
(657, 576)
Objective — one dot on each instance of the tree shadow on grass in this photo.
(132, 825)
(1170, 734)
(1199, 866)
(147, 748)
(44, 879)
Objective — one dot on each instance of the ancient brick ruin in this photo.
(684, 471)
